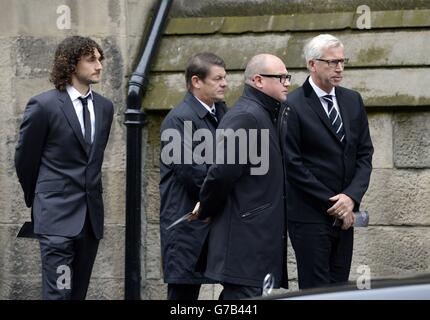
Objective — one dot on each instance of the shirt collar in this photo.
(206, 106)
(320, 93)
(75, 94)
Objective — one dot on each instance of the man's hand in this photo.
(348, 220)
(195, 214)
(342, 209)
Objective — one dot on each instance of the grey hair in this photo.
(314, 49)
(257, 64)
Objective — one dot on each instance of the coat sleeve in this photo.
(297, 173)
(192, 174)
(363, 163)
(28, 153)
(222, 175)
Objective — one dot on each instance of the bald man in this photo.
(245, 199)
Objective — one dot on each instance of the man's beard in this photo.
(85, 80)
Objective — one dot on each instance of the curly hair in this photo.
(67, 56)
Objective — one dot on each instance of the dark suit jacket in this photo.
(246, 241)
(318, 165)
(60, 180)
(179, 192)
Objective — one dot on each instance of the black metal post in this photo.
(134, 119)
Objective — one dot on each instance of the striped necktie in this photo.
(213, 114)
(334, 117)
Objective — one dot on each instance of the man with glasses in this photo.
(328, 164)
(247, 238)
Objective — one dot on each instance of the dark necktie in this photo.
(213, 114)
(87, 121)
(334, 117)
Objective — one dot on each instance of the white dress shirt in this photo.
(77, 104)
(321, 93)
(210, 109)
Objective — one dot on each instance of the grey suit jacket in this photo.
(61, 180)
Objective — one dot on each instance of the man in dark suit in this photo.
(329, 156)
(180, 181)
(245, 199)
(58, 161)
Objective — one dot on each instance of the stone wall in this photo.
(388, 66)
(27, 43)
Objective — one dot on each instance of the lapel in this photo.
(98, 113)
(315, 104)
(70, 113)
(341, 102)
(201, 111)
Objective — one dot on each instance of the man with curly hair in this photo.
(58, 161)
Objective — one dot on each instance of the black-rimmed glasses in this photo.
(334, 62)
(282, 77)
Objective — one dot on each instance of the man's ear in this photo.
(311, 65)
(195, 82)
(257, 79)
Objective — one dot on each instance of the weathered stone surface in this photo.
(34, 56)
(98, 16)
(29, 288)
(110, 257)
(112, 82)
(298, 22)
(115, 153)
(175, 51)
(400, 18)
(398, 197)
(210, 8)
(20, 288)
(19, 257)
(140, 11)
(207, 292)
(291, 262)
(282, 23)
(363, 49)
(217, 291)
(6, 46)
(6, 94)
(152, 257)
(8, 18)
(167, 90)
(24, 89)
(106, 289)
(12, 202)
(191, 25)
(152, 152)
(152, 198)
(381, 132)
(391, 250)
(114, 196)
(412, 140)
(153, 290)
